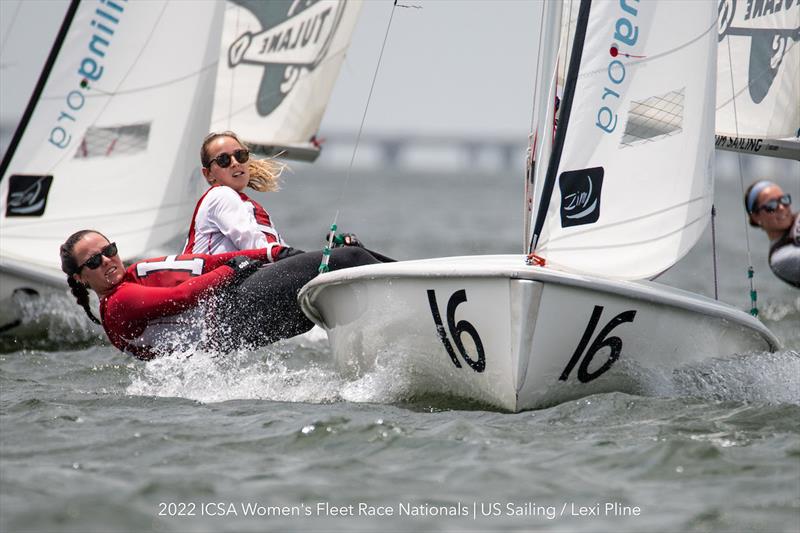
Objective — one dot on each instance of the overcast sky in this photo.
(450, 66)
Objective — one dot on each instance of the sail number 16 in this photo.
(457, 329)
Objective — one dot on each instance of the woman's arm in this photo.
(135, 302)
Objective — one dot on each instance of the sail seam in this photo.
(632, 243)
(630, 220)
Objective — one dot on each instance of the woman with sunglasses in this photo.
(222, 301)
(225, 218)
(769, 208)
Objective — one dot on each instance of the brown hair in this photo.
(70, 266)
(264, 173)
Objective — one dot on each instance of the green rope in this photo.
(326, 252)
(753, 293)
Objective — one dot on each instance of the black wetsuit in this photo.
(264, 307)
(784, 254)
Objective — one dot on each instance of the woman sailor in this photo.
(769, 207)
(225, 218)
(222, 301)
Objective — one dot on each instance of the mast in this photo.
(561, 131)
(544, 97)
(37, 91)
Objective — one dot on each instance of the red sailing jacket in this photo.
(158, 302)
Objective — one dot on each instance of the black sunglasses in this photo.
(772, 205)
(224, 160)
(97, 259)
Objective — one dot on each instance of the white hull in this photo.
(546, 336)
(28, 280)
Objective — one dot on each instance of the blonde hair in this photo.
(264, 173)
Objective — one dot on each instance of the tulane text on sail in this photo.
(761, 8)
(90, 70)
(296, 41)
(627, 33)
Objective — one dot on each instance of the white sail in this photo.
(111, 143)
(278, 64)
(633, 186)
(758, 89)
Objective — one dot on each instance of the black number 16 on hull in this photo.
(614, 343)
(456, 330)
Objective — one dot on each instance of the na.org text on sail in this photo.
(106, 17)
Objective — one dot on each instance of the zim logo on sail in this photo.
(294, 39)
(27, 195)
(580, 196)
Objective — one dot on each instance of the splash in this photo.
(296, 370)
(50, 320)
(771, 378)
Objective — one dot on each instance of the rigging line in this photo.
(566, 108)
(750, 269)
(752, 79)
(99, 92)
(133, 64)
(232, 75)
(659, 55)
(326, 251)
(10, 25)
(538, 75)
(39, 89)
(714, 249)
(366, 109)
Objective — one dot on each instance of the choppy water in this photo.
(93, 441)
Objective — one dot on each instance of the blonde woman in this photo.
(226, 219)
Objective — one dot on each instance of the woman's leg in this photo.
(264, 308)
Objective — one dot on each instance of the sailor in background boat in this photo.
(175, 303)
(225, 218)
(770, 209)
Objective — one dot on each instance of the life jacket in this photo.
(790, 238)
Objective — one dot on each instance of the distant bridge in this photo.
(395, 149)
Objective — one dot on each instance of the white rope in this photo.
(750, 269)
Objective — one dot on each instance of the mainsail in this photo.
(110, 139)
(631, 173)
(758, 88)
(278, 64)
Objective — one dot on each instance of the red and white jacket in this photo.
(225, 220)
(159, 303)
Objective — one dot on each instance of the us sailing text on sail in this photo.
(627, 33)
(91, 69)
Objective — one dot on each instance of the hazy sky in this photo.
(450, 66)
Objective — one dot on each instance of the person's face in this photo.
(110, 272)
(236, 175)
(778, 220)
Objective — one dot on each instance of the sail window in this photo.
(113, 141)
(654, 118)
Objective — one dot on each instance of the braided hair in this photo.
(264, 173)
(70, 266)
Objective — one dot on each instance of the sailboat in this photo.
(110, 137)
(624, 189)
